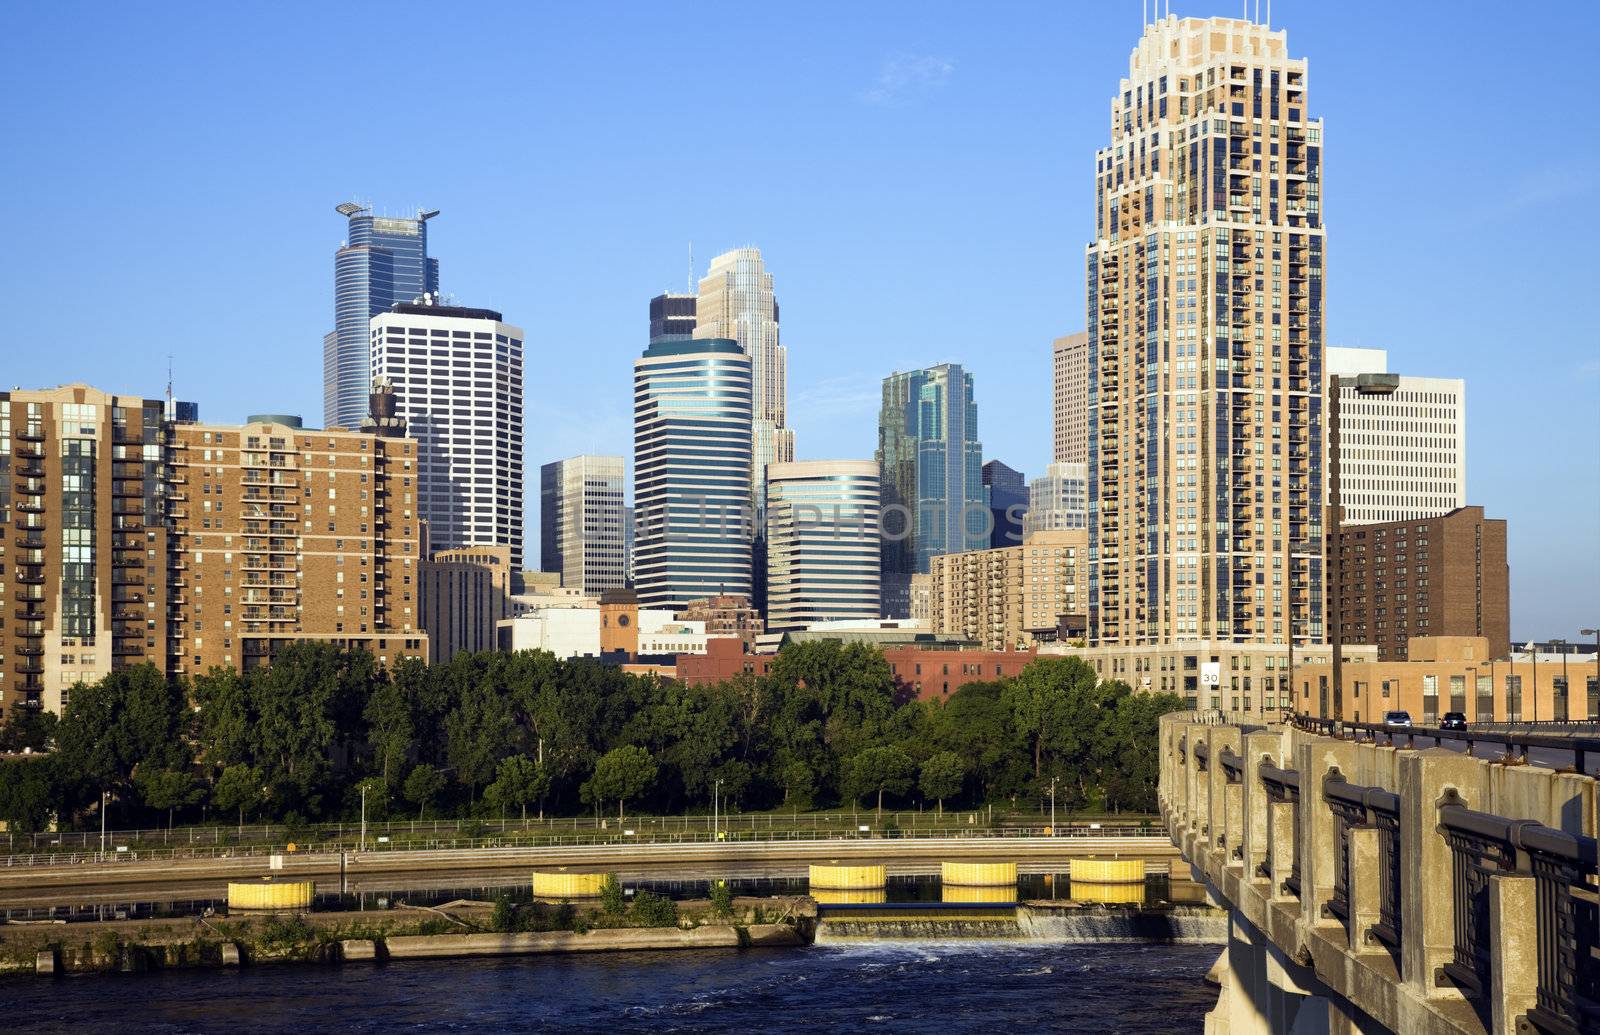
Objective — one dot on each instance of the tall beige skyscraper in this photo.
(1069, 366)
(1205, 344)
(736, 301)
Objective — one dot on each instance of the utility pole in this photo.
(363, 817)
(1533, 649)
(1053, 781)
(716, 792)
(103, 797)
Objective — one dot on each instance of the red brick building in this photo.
(922, 672)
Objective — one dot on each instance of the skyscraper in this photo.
(1069, 362)
(736, 301)
(1059, 499)
(691, 471)
(383, 261)
(1403, 454)
(930, 469)
(1007, 489)
(581, 522)
(1205, 346)
(822, 542)
(457, 379)
(672, 317)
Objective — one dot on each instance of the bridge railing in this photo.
(1515, 739)
(1456, 877)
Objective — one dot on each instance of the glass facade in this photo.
(383, 261)
(930, 466)
(822, 543)
(691, 469)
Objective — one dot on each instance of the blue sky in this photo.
(917, 174)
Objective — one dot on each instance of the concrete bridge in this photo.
(1375, 887)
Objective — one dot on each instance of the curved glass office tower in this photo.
(691, 471)
(383, 261)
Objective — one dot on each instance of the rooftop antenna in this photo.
(691, 267)
(172, 411)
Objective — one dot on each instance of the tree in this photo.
(517, 781)
(28, 793)
(621, 774)
(391, 726)
(881, 769)
(168, 789)
(238, 787)
(26, 729)
(1038, 700)
(423, 787)
(798, 784)
(479, 731)
(942, 777)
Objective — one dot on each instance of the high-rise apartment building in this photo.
(581, 522)
(822, 542)
(1205, 294)
(672, 317)
(1007, 598)
(1069, 368)
(736, 301)
(1402, 454)
(1058, 499)
(930, 469)
(1008, 503)
(384, 260)
(1437, 576)
(134, 539)
(691, 471)
(457, 378)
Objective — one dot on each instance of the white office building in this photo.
(1058, 499)
(822, 543)
(582, 522)
(1402, 455)
(457, 376)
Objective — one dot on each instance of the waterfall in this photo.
(1181, 925)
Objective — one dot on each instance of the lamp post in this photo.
(104, 796)
(1363, 384)
(1596, 634)
(363, 816)
(1566, 687)
(1533, 649)
(716, 794)
(1053, 781)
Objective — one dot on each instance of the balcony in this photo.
(29, 434)
(28, 453)
(29, 666)
(29, 614)
(31, 580)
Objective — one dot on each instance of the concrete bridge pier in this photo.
(1264, 992)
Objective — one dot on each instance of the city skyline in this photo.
(833, 297)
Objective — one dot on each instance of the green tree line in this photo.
(497, 734)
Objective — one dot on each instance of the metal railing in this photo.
(1516, 738)
(1282, 785)
(1564, 869)
(1355, 806)
(622, 838)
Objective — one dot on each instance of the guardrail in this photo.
(1515, 738)
(619, 840)
(566, 826)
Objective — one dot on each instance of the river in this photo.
(945, 987)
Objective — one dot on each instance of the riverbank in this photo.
(454, 930)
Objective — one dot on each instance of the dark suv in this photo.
(1453, 721)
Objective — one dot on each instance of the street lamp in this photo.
(1363, 384)
(1053, 782)
(1533, 649)
(1566, 687)
(716, 794)
(1596, 634)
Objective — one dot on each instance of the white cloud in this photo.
(905, 78)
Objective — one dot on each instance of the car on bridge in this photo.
(1453, 721)
(1397, 720)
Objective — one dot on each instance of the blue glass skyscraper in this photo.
(931, 474)
(383, 261)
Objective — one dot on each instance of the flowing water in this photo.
(950, 988)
